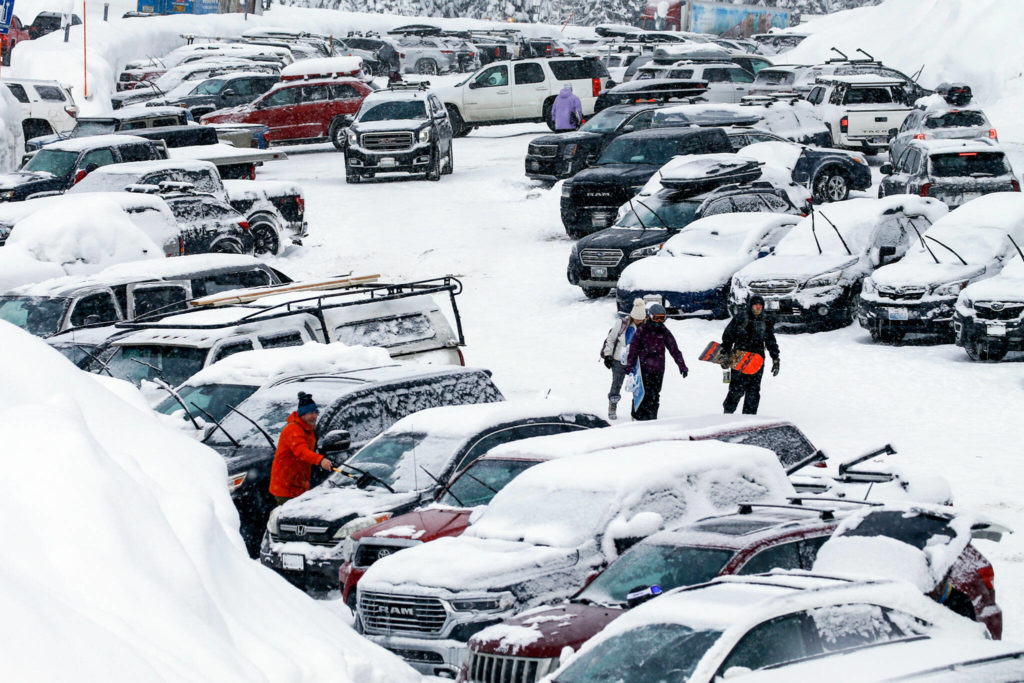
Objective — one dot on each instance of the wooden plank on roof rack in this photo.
(248, 295)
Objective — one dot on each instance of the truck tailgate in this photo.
(877, 122)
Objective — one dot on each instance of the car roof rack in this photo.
(407, 85)
(843, 58)
(825, 514)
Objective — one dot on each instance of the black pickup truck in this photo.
(202, 143)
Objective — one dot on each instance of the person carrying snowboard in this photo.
(648, 346)
(752, 331)
(615, 348)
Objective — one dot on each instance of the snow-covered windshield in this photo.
(605, 121)
(655, 652)
(403, 459)
(484, 478)
(395, 111)
(56, 162)
(660, 214)
(665, 566)
(804, 238)
(38, 315)
(564, 517)
(977, 245)
(975, 164)
(215, 399)
(654, 151)
(86, 128)
(773, 77)
(697, 241)
(172, 364)
(211, 86)
(956, 119)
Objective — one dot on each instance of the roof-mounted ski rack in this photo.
(788, 97)
(799, 500)
(416, 30)
(405, 85)
(848, 474)
(826, 514)
(843, 58)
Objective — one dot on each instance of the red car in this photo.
(15, 35)
(306, 106)
(757, 539)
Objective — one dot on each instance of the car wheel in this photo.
(449, 164)
(985, 352)
(266, 235)
(459, 127)
(427, 67)
(595, 292)
(434, 170)
(353, 178)
(337, 132)
(831, 185)
(226, 247)
(546, 113)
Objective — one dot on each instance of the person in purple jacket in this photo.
(567, 111)
(648, 346)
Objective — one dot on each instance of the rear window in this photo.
(786, 442)
(969, 164)
(578, 69)
(50, 93)
(386, 332)
(18, 91)
(868, 96)
(956, 119)
(769, 77)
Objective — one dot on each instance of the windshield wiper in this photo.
(653, 212)
(167, 387)
(845, 246)
(438, 482)
(367, 475)
(103, 365)
(643, 226)
(949, 248)
(251, 421)
(158, 371)
(217, 425)
(485, 485)
(923, 243)
(1016, 246)
(814, 231)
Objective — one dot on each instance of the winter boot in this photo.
(611, 410)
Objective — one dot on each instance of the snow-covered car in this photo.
(544, 534)
(428, 55)
(989, 318)
(955, 171)
(814, 276)
(919, 293)
(651, 90)
(860, 110)
(794, 120)
(727, 82)
(774, 80)
(181, 79)
(754, 540)
(735, 625)
(830, 174)
(307, 538)
(223, 92)
(275, 210)
(359, 393)
(126, 119)
(935, 119)
(208, 224)
(690, 274)
(775, 42)
(129, 290)
(47, 107)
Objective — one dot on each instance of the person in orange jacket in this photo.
(289, 475)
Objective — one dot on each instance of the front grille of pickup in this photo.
(383, 613)
(487, 668)
(387, 142)
(601, 257)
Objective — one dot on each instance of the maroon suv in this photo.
(757, 539)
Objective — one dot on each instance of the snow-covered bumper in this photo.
(677, 304)
(428, 631)
(595, 267)
(931, 316)
(795, 303)
(989, 327)
(305, 565)
(414, 159)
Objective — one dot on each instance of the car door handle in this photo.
(502, 92)
(542, 89)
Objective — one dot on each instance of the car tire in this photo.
(353, 178)
(228, 246)
(459, 127)
(985, 353)
(830, 185)
(266, 234)
(427, 67)
(336, 132)
(546, 113)
(595, 292)
(449, 164)
(434, 169)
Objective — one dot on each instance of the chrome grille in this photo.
(382, 613)
(366, 554)
(386, 142)
(601, 257)
(542, 150)
(306, 533)
(488, 668)
(996, 310)
(901, 293)
(773, 286)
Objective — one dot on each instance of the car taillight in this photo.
(988, 575)
(548, 49)
(462, 359)
(447, 52)
(252, 172)
(1015, 185)
(844, 124)
(992, 134)
(244, 225)
(925, 189)
(497, 52)
(181, 245)
(72, 111)
(300, 203)
(595, 86)
(919, 136)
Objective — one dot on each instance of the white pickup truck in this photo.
(860, 110)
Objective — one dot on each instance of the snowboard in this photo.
(746, 362)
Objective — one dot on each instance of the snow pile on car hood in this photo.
(12, 139)
(18, 267)
(128, 554)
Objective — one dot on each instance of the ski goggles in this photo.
(658, 317)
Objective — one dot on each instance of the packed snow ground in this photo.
(488, 224)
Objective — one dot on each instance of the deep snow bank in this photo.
(121, 555)
(975, 41)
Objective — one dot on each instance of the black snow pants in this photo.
(747, 387)
(648, 408)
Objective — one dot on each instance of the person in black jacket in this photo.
(752, 331)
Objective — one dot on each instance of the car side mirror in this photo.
(886, 169)
(628, 128)
(886, 254)
(591, 158)
(893, 132)
(473, 85)
(764, 251)
(229, 92)
(335, 441)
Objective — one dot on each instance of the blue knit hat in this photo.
(306, 404)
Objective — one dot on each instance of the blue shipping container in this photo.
(179, 6)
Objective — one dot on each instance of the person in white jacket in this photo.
(616, 348)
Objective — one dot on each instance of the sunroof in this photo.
(735, 526)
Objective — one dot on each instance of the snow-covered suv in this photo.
(544, 535)
(520, 91)
(990, 314)
(47, 107)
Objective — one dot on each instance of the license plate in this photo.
(534, 165)
(600, 220)
(773, 304)
(899, 314)
(997, 329)
(387, 162)
(599, 273)
(295, 563)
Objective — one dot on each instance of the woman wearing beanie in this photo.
(289, 475)
(615, 348)
(648, 347)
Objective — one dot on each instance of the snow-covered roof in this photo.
(466, 420)
(136, 111)
(862, 79)
(951, 146)
(328, 67)
(140, 168)
(93, 141)
(936, 105)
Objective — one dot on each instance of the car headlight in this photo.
(7, 195)
(488, 604)
(351, 137)
(348, 549)
(966, 302)
(645, 251)
(272, 522)
(360, 523)
(949, 289)
(236, 480)
(566, 190)
(570, 151)
(868, 286)
(425, 135)
(824, 280)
